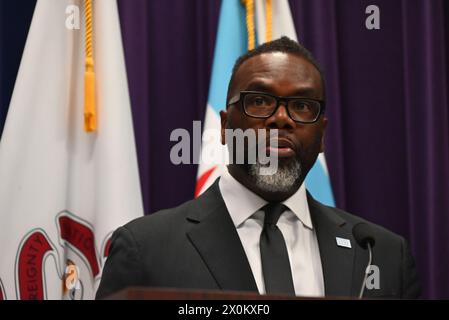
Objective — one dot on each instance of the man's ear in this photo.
(324, 121)
(224, 123)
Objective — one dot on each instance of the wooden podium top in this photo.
(141, 293)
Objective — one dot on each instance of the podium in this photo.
(142, 293)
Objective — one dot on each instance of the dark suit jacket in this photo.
(196, 246)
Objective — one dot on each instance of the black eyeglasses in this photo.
(263, 105)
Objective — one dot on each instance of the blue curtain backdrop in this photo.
(388, 106)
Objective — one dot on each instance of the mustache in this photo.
(263, 148)
(261, 139)
(280, 140)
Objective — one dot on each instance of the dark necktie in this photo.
(273, 251)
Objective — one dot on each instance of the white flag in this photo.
(282, 20)
(63, 190)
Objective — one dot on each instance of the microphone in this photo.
(363, 234)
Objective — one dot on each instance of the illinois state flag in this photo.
(270, 19)
(63, 190)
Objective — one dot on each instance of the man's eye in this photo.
(301, 106)
(260, 101)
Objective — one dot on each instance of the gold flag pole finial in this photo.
(90, 110)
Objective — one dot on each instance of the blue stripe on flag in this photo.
(230, 44)
(318, 184)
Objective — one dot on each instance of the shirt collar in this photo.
(297, 203)
(242, 203)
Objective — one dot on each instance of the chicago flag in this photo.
(230, 44)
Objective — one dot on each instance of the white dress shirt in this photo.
(296, 227)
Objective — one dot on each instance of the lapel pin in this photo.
(341, 242)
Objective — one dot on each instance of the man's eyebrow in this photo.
(260, 86)
(306, 91)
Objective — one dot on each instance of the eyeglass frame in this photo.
(242, 94)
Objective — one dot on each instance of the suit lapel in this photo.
(214, 236)
(337, 261)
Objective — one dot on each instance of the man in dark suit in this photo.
(263, 233)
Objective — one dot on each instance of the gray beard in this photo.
(283, 180)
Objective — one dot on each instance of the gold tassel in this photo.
(268, 21)
(249, 7)
(90, 109)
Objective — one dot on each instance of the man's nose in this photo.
(280, 119)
